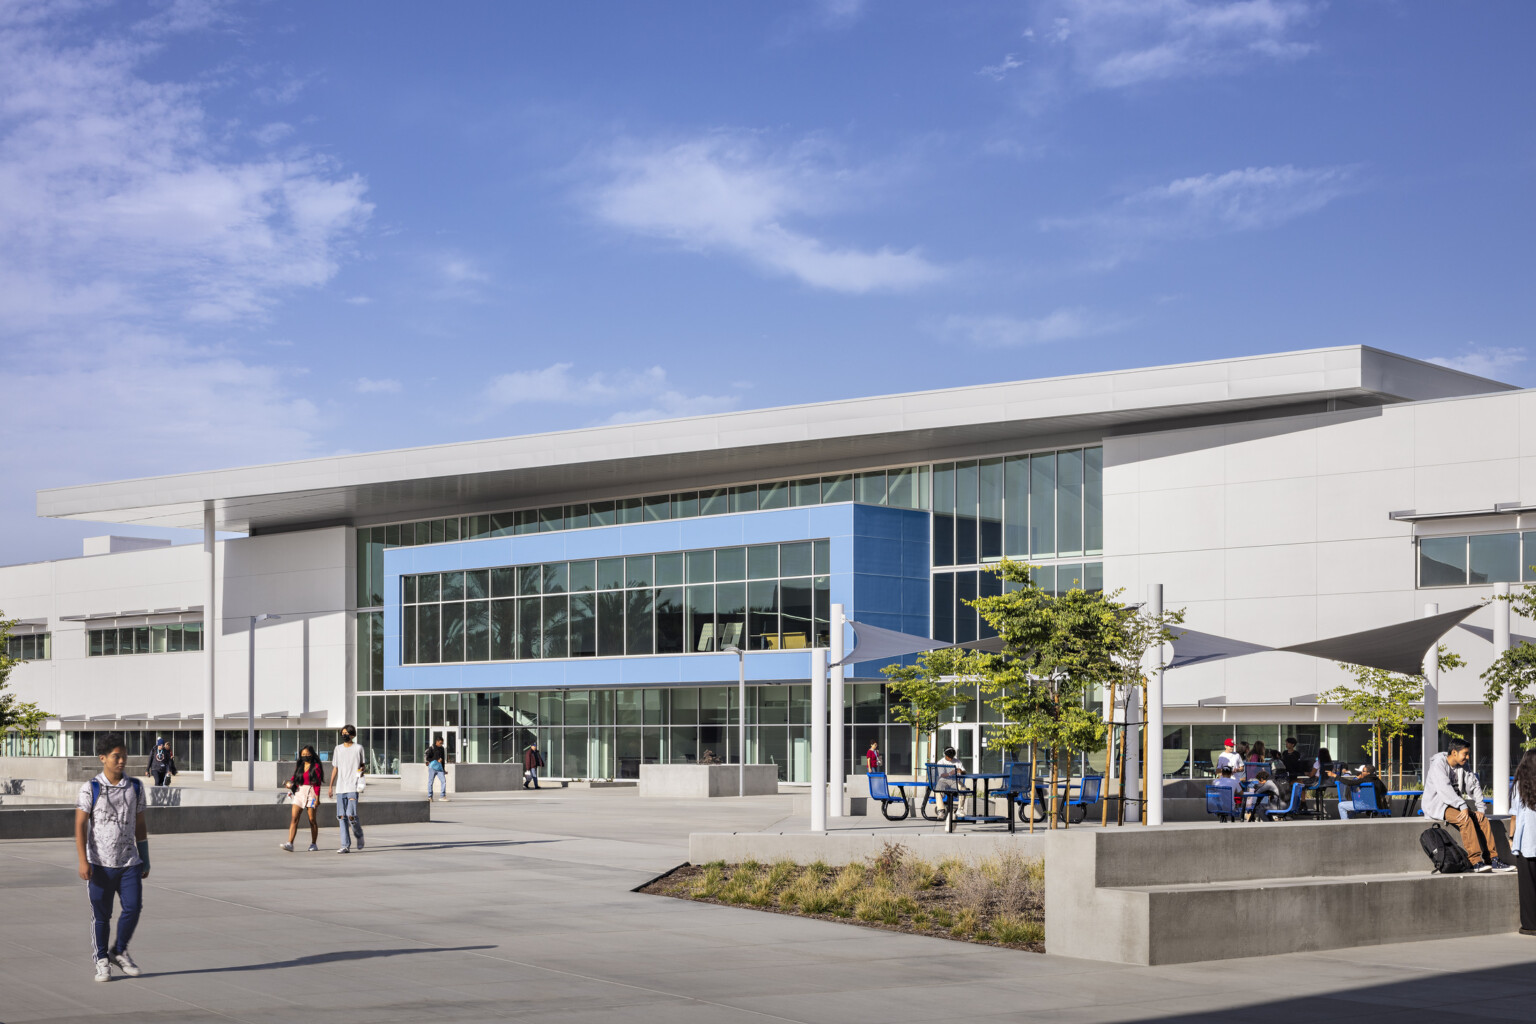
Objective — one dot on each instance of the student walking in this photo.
(437, 765)
(113, 849)
(346, 783)
(304, 790)
(872, 758)
(1522, 801)
(532, 762)
(162, 764)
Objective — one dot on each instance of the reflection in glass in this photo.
(798, 612)
(669, 569)
(610, 573)
(1494, 558)
(477, 630)
(990, 508)
(503, 630)
(943, 607)
(805, 492)
(610, 624)
(701, 618)
(731, 564)
(453, 632)
(1042, 505)
(730, 614)
(870, 487)
(965, 615)
(530, 618)
(795, 559)
(714, 503)
(426, 588)
(639, 571)
(1093, 501)
(836, 488)
(669, 620)
(1442, 561)
(427, 624)
(583, 625)
(583, 576)
(763, 621)
(639, 626)
(701, 567)
(744, 499)
(763, 561)
(556, 618)
(530, 579)
(774, 495)
(1069, 503)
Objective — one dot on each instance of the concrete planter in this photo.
(269, 774)
(706, 780)
(67, 769)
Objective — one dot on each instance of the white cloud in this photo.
(1249, 199)
(273, 133)
(1000, 331)
(370, 386)
(1112, 44)
(997, 72)
(723, 193)
(127, 228)
(1485, 361)
(114, 201)
(626, 395)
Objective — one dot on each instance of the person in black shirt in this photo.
(162, 764)
(1291, 758)
(437, 766)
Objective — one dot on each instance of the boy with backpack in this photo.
(113, 848)
(1453, 795)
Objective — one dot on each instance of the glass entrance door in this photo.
(963, 739)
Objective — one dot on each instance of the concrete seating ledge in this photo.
(1170, 895)
(59, 822)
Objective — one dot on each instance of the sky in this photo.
(242, 233)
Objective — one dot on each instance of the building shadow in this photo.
(464, 844)
(1504, 993)
(317, 959)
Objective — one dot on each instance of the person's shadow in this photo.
(315, 959)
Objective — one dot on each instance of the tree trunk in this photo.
(1034, 806)
(1055, 762)
(1141, 752)
(1120, 810)
(1109, 753)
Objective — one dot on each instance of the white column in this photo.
(836, 755)
(210, 633)
(818, 740)
(1500, 780)
(1133, 752)
(250, 713)
(1431, 739)
(1154, 718)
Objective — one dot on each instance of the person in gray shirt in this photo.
(1453, 794)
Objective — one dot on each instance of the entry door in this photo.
(963, 739)
(450, 741)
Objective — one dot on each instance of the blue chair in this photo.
(1277, 813)
(943, 794)
(1362, 802)
(1218, 801)
(1088, 791)
(880, 790)
(1253, 805)
(1019, 792)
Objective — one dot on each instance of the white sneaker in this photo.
(1482, 867)
(103, 970)
(285, 846)
(123, 962)
(344, 850)
(313, 848)
(1501, 867)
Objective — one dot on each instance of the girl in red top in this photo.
(304, 784)
(872, 757)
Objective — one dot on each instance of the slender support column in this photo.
(818, 740)
(210, 635)
(1431, 739)
(836, 755)
(1500, 780)
(741, 724)
(1154, 717)
(250, 713)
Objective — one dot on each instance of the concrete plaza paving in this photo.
(519, 907)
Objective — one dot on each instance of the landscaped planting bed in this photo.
(1000, 902)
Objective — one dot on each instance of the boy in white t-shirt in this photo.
(346, 783)
(113, 850)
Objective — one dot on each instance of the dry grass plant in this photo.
(998, 901)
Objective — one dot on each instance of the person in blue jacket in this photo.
(1522, 801)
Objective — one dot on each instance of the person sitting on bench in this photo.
(1234, 788)
(1453, 794)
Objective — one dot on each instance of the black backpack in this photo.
(1444, 852)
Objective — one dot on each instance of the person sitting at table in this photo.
(1266, 788)
(1234, 788)
(1290, 757)
(1367, 777)
(1314, 780)
(946, 777)
(1228, 758)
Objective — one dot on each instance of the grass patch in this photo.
(1000, 901)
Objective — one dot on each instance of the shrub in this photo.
(1015, 930)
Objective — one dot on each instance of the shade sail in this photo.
(1400, 647)
(872, 643)
(1192, 647)
(1487, 634)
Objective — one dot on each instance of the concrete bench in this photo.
(1167, 895)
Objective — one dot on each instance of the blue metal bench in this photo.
(1088, 792)
(880, 789)
(1276, 813)
(1360, 801)
(1218, 801)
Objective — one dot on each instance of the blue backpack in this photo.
(138, 791)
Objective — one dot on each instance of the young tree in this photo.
(1056, 650)
(1384, 701)
(21, 717)
(927, 690)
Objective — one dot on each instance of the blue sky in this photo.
(233, 234)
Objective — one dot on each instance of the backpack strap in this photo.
(95, 795)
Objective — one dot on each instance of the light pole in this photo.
(741, 717)
(250, 714)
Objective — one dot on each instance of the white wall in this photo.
(1278, 532)
(304, 661)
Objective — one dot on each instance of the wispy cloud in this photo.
(127, 228)
(1000, 331)
(1249, 199)
(1112, 44)
(725, 193)
(999, 71)
(371, 386)
(1485, 361)
(114, 200)
(626, 396)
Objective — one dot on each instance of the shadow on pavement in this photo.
(466, 844)
(315, 959)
